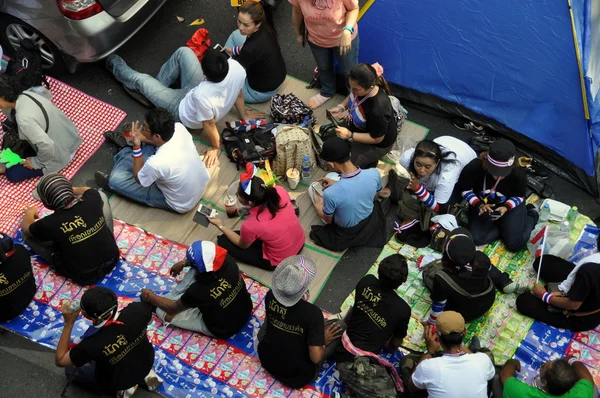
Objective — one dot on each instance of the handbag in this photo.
(11, 133)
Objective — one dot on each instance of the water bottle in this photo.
(572, 215)
(306, 169)
(545, 213)
(565, 226)
(74, 305)
(307, 121)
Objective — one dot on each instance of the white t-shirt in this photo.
(464, 376)
(212, 100)
(178, 171)
(565, 285)
(442, 183)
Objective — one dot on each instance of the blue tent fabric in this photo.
(513, 61)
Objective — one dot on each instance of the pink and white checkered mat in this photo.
(92, 118)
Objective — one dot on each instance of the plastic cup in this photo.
(293, 177)
(231, 207)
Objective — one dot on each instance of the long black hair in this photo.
(261, 12)
(265, 197)
(431, 149)
(366, 76)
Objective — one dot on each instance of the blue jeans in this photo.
(18, 173)
(251, 96)
(121, 180)
(324, 60)
(183, 64)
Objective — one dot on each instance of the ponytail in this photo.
(265, 197)
(366, 76)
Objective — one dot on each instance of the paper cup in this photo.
(293, 177)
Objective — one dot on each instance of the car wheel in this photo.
(13, 30)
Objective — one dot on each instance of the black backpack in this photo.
(255, 145)
(26, 65)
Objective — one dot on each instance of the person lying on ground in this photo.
(348, 207)
(495, 188)
(457, 372)
(208, 90)
(271, 232)
(47, 138)
(465, 280)
(255, 46)
(162, 169)
(331, 29)
(76, 240)
(370, 122)
(17, 284)
(114, 355)
(379, 319)
(575, 304)
(434, 168)
(294, 338)
(565, 378)
(211, 299)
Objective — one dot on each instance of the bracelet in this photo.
(571, 361)
(349, 29)
(547, 297)
(236, 50)
(221, 227)
(137, 152)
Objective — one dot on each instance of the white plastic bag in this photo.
(557, 243)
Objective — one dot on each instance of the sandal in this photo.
(117, 137)
(317, 100)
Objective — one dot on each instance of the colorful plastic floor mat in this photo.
(92, 118)
(192, 365)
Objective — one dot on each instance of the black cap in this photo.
(335, 149)
(460, 247)
(501, 158)
(99, 302)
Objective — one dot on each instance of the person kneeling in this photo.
(348, 205)
(114, 354)
(212, 298)
(76, 240)
(166, 173)
(17, 284)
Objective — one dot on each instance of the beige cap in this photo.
(450, 322)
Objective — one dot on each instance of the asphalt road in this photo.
(27, 369)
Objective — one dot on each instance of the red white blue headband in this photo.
(246, 178)
(499, 163)
(206, 256)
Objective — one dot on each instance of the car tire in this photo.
(11, 28)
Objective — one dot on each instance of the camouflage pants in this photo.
(366, 379)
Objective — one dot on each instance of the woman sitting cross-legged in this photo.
(271, 232)
(465, 280)
(255, 46)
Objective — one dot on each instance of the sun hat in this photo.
(292, 278)
(206, 256)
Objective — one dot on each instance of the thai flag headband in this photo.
(499, 163)
(307, 271)
(246, 178)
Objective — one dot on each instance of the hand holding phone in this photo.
(220, 48)
(203, 212)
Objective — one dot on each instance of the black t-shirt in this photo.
(378, 314)
(473, 177)
(380, 119)
(122, 352)
(283, 351)
(469, 308)
(17, 284)
(222, 299)
(81, 238)
(586, 288)
(262, 59)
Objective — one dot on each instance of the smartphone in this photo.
(317, 187)
(331, 118)
(219, 47)
(496, 214)
(201, 213)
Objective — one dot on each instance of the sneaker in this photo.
(152, 380)
(518, 287)
(127, 393)
(139, 97)
(102, 180)
(534, 167)
(464, 124)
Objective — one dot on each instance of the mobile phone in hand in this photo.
(201, 213)
(219, 47)
(496, 214)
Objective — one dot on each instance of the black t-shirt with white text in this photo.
(283, 351)
(222, 299)
(586, 288)
(81, 238)
(122, 352)
(378, 315)
(381, 122)
(17, 284)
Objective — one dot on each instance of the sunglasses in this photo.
(425, 154)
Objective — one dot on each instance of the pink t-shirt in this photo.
(325, 26)
(282, 235)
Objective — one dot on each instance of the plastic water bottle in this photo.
(545, 213)
(74, 305)
(572, 215)
(565, 226)
(306, 169)
(307, 121)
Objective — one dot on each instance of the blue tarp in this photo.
(513, 61)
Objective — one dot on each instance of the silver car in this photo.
(68, 32)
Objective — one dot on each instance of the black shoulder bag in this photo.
(11, 133)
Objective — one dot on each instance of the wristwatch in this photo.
(351, 139)
(349, 29)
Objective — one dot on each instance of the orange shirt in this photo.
(325, 26)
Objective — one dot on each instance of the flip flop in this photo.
(317, 100)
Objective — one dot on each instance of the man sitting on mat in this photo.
(77, 239)
(379, 319)
(575, 303)
(212, 298)
(347, 204)
(208, 91)
(44, 136)
(114, 354)
(17, 284)
(166, 172)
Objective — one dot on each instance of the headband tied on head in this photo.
(267, 176)
(466, 266)
(499, 163)
(378, 69)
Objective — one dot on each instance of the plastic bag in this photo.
(557, 243)
(586, 244)
(199, 42)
